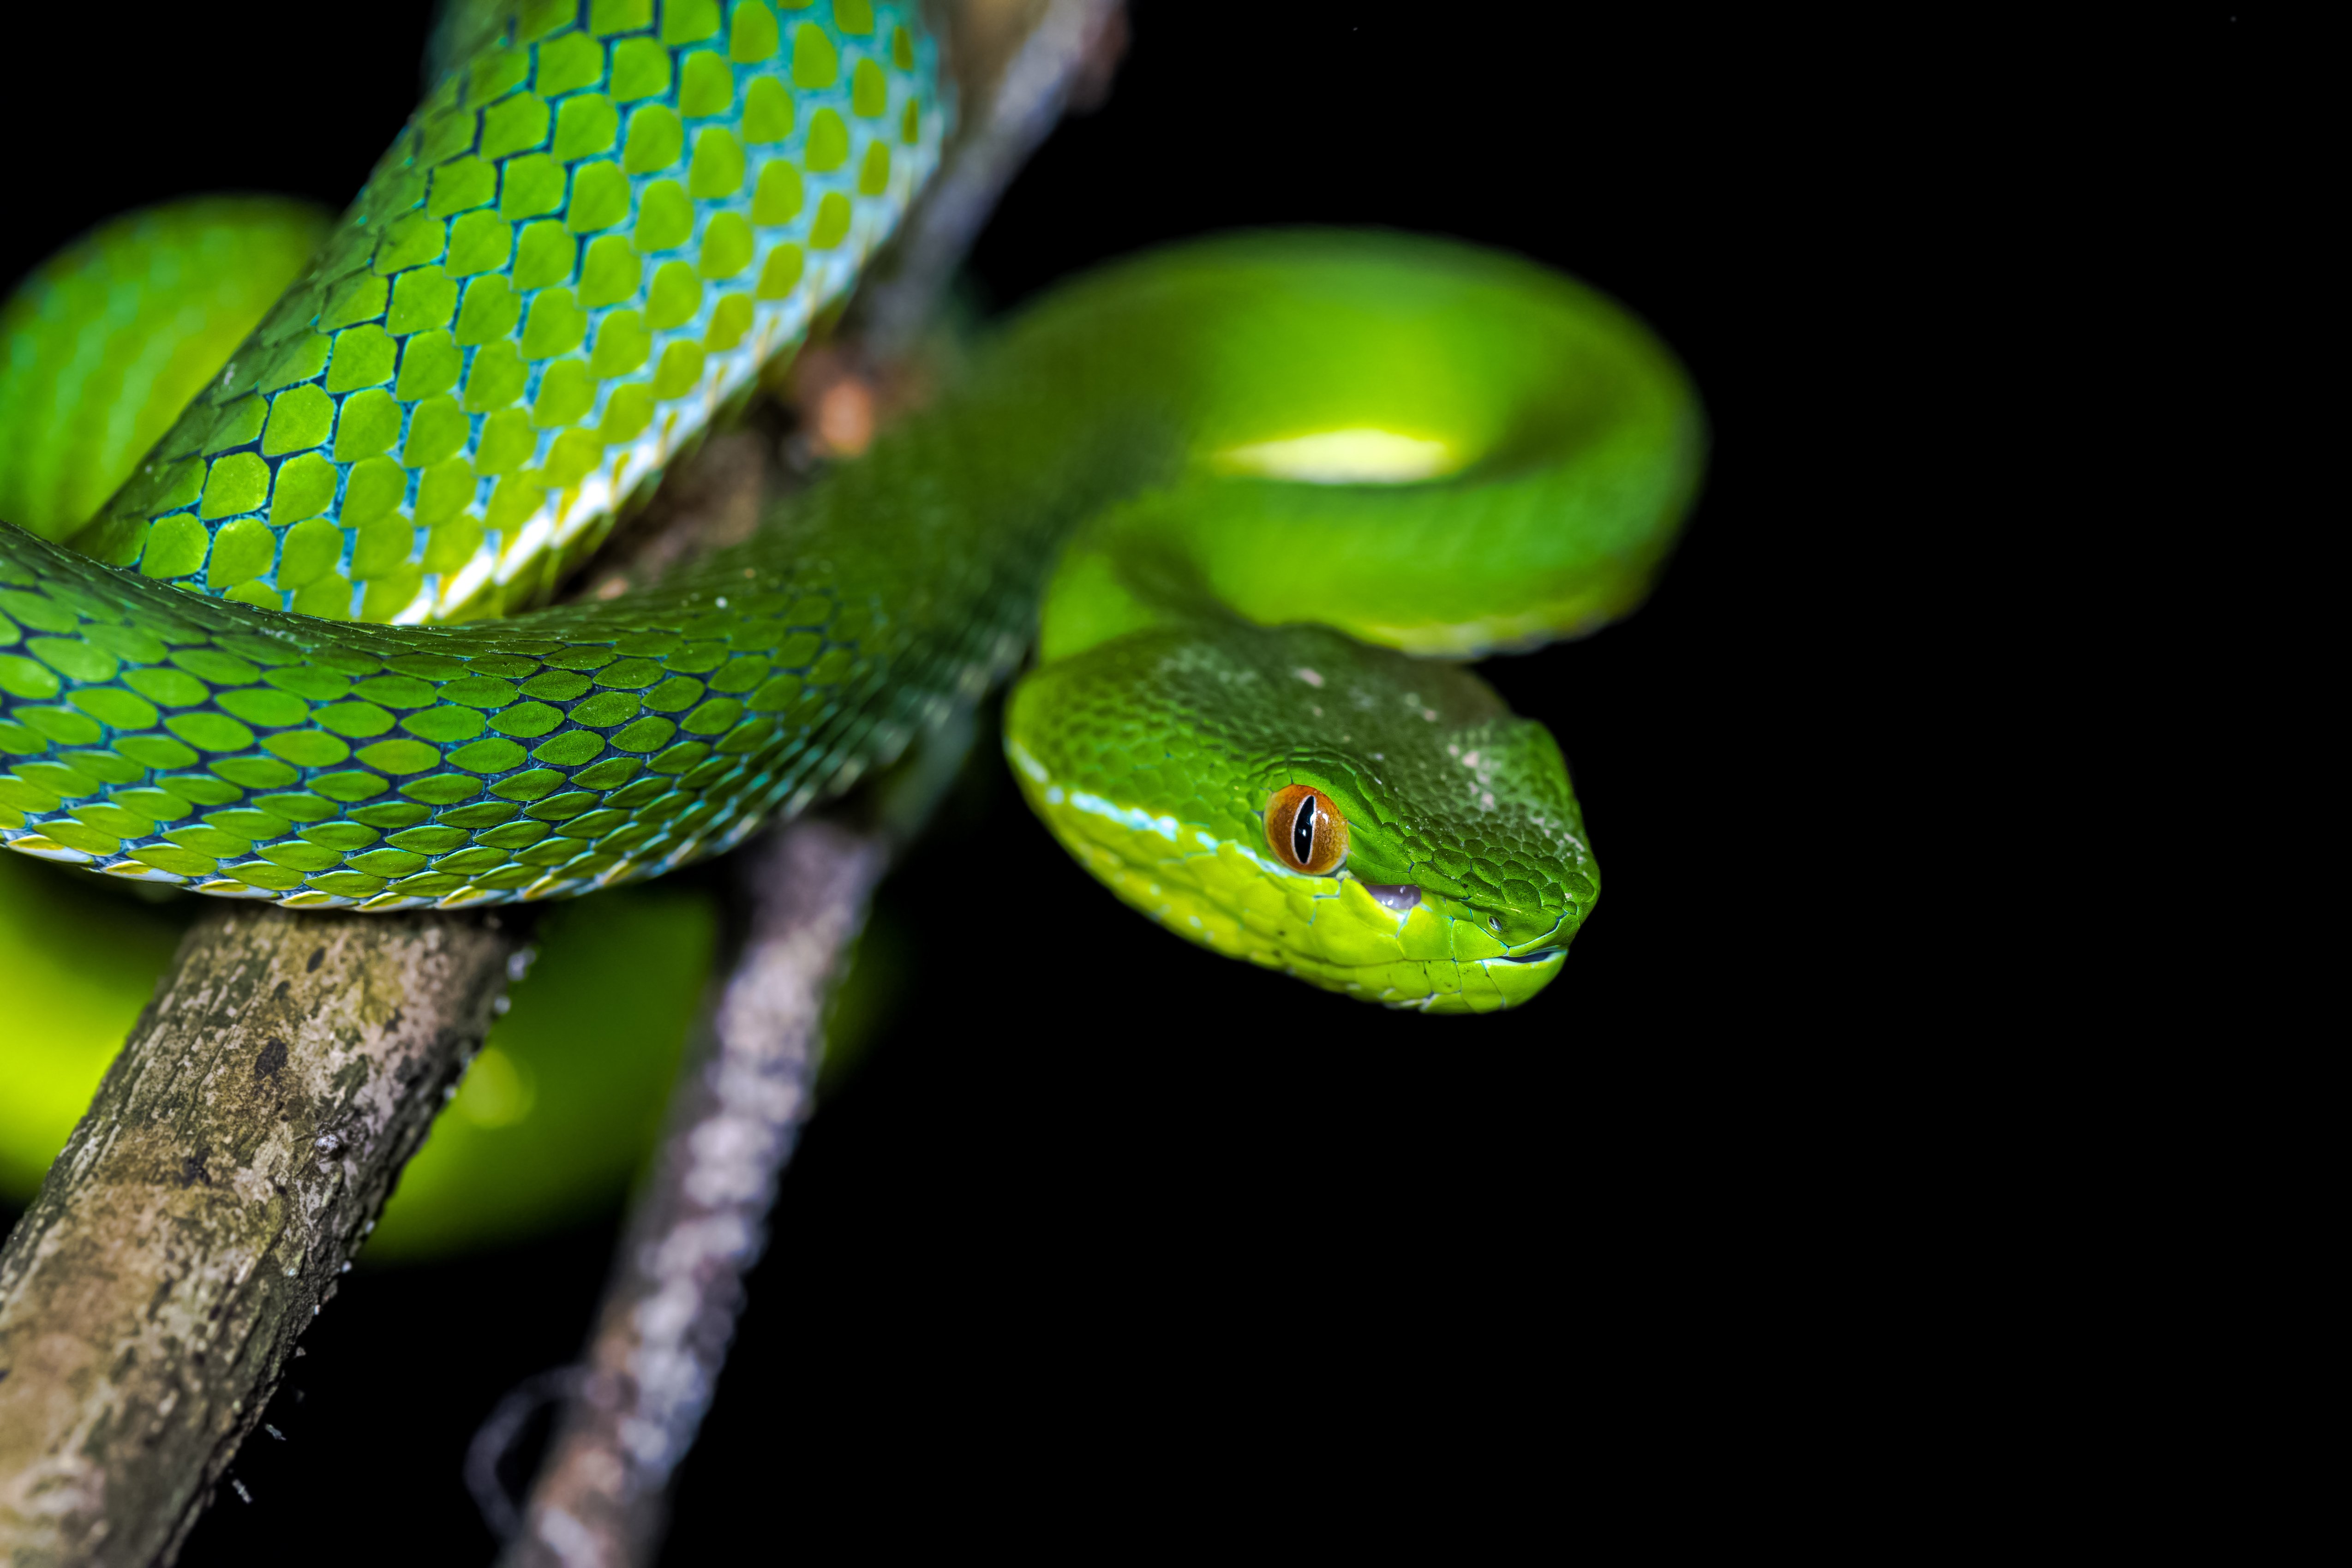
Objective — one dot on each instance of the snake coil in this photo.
(1251, 500)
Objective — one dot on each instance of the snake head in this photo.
(1373, 824)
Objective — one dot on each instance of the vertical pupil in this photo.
(1302, 833)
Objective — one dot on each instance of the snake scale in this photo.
(1251, 501)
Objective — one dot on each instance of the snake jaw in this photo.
(1399, 896)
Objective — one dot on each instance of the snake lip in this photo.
(1398, 897)
(1540, 955)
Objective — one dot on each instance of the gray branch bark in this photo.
(670, 1312)
(234, 1157)
(662, 1333)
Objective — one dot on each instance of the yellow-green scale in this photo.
(109, 339)
(580, 248)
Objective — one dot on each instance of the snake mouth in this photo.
(1540, 955)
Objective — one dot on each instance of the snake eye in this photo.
(1306, 831)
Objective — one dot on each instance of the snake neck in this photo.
(1123, 573)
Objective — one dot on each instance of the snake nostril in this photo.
(1397, 896)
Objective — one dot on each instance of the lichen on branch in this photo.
(202, 1212)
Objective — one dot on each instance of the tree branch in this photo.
(661, 1336)
(695, 1230)
(233, 1158)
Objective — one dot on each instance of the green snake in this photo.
(1248, 504)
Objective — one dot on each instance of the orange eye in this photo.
(1306, 831)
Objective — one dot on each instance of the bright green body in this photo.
(1419, 449)
(109, 341)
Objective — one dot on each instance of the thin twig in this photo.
(663, 1330)
(662, 1333)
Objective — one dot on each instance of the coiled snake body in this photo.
(1251, 501)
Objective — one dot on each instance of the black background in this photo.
(1107, 1220)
